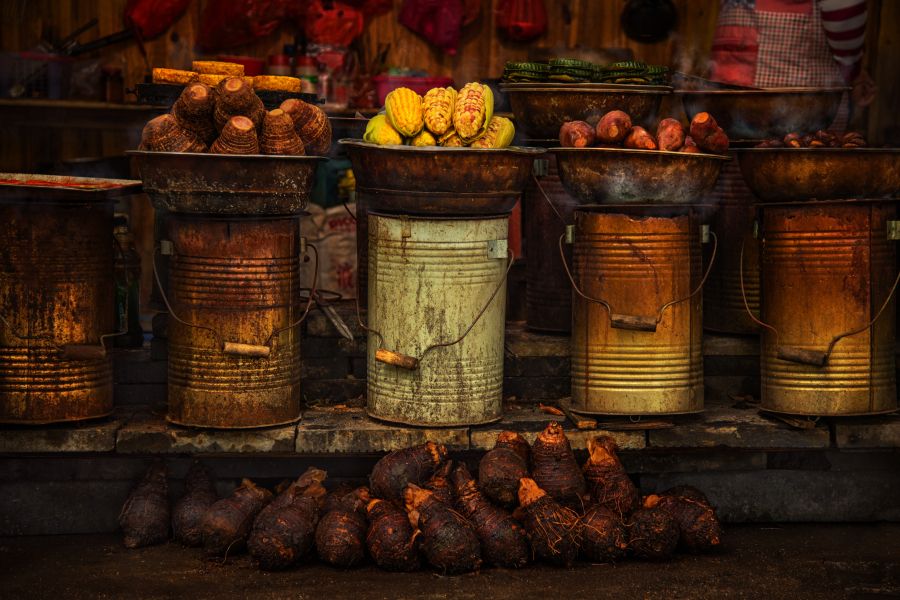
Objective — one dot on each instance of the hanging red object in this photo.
(521, 20)
(438, 21)
(231, 23)
(335, 23)
(151, 18)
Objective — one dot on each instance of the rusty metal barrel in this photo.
(56, 297)
(437, 289)
(637, 310)
(234, 286)
(829, 272)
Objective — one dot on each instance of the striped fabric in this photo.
(844, 22)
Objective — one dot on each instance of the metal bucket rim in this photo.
(637, 152)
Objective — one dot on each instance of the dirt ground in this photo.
(774, 561)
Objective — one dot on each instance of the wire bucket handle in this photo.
(804, 356)
(228, 346)
(636, 322)
(411, 363)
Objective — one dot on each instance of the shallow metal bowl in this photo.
(541, 111)
(622, 175)
(767, 113)
(790, 174)
(440, 181)
(227, 184)
(18, 187)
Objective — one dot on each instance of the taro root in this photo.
(194, 111)
(416, 464)
(554, 530)
(341, 533)
(608, 483)
(144, 518)
(576, 134)
(687, 491)
(439, 484)
(613, 127)
(284, 531)
(689, 147)
(187, 515)
(238, 137)
(640, 139)
(311, 124)
(699, 528)
(603, 535)
(502, 467)
(652, 534)
(334, 499)
(392, 541)
(554, 468)
(670, 135)
(234, 97)
(503, 541)
(164, 134)
(448, 541)
(278, 135)
(228, 522)
(707, 134)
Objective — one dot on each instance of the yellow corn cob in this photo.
(439, 104)
(473, 111)
(423, 139)
(379, 131)
(451, 140)
(404, 111)
(500, 133)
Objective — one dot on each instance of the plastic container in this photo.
(420, 85)
(279, 64)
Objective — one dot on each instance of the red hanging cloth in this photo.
(151, 18)
(521, 20)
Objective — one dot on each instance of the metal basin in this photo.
(760, 114)
(440, 181)
(541, 109)
(225, 184)
(617, 175)
(792, 174)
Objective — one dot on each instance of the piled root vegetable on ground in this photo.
(421, 508)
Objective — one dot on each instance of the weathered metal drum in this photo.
(437, 289)
(235, 290)
(640, 353)
(56, 302)
(362, 249)
(827, 271)
(548, 293)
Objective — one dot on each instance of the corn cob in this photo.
(423, 139)
(404, 111)
(473, 111)
(380, 132)
(439, 104)
(451, 140)
(500, 133)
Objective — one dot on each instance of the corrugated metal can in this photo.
(56, 289)
(828, 269)
(433, 281)
(637, 356)
(234, 285)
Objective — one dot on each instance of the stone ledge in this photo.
(91, 436)
(882, 432)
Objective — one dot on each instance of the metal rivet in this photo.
(166, 247)
(497, 248)
(893, 230)
(570, 234)
(541, 167)
(704, 234)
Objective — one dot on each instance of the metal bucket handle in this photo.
(239, 348)
(547, 198)
(637, 322)
(802, 356)
(411, 363)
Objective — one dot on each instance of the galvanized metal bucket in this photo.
(829, 277)
(637, 310)
(436, 319)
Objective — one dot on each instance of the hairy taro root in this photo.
(278, 135)
(699, 528)
(640, 139)
(144, 518)
(194, 111)
(608, 483)
(187, 514)
(439, 484)
(165, 134)
(503, 541)
(416, 464)
(237, 137)
(341, 533)
(670, 135)
(603, 535)
(391, 540)
(228, 522)
(576, 134)
(502, 467)
(652, 534)
(613, 127)
(554, 468)
(234, 97)
(448, 541)
(311, 124)
(554, 530)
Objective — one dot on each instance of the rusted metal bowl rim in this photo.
(623, 152)
(819, 151)
(780, 91)
(525, 150)
(280, 158)
(585, 87)
(38, 193)
(593, 92)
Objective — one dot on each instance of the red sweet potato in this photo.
(228, 522)
(187, 514)
(640, 139)
(702, 126)
(670, 135)
(604, 536)
(608, 483)
(576, 134)
(613, 127)
(554, 468)
(417, 464)
(392, 542)
(502, 467)
(449, 541)
(144, 518)
(341, 533)
(652, 534)
(793, 140)
(554, 530)
(689, 147)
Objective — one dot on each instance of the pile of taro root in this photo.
(819, 139)
(422, 509)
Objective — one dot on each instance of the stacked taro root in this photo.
(231, 119)
(421, 508)
(616, 130)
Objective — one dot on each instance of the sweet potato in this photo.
(717, 143)
(576, 134)
(416, 465)
(792, 140)
(503, 541)
(652, 534)
(501, 469)
(284, 531)
(608, 483)
(699, 528)
(439, 484)
(144, 518)
(613, 127)
(228, 522)
(554, 468)
(449, 541)
(392, 542)
(187, 514)
(689, 147)
(554, 530)
(603, 537)
(702, 126)
(341, 533)
(670, 135)
(640, 139)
